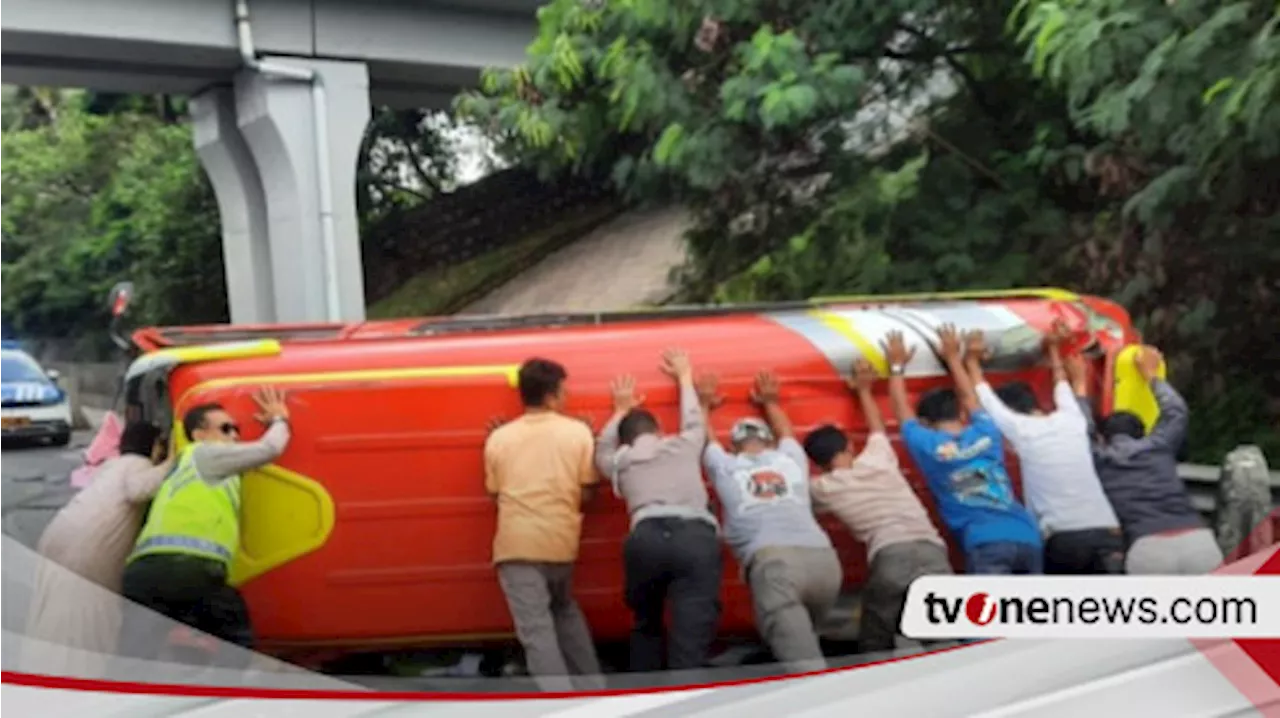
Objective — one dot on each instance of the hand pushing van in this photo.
(180, 563)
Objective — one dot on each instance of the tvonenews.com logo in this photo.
(982, 609)
(1083, 606)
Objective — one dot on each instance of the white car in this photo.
(32, 405)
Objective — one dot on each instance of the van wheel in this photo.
(61, 439)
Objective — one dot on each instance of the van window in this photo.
(148, 396)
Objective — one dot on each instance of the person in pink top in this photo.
(75, 611)
(869, 494)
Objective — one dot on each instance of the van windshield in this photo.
(16, 367)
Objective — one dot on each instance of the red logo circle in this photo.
(980, 609)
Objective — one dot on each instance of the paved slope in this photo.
(625, 263)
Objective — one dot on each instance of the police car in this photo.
(32, 405)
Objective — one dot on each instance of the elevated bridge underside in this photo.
(281, 153)
(418, 52)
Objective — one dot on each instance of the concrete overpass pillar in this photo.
(277, 122)
(241, 206)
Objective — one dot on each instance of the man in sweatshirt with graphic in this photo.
(960, 451)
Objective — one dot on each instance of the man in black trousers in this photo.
(673, 551)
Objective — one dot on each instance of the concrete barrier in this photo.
(89, 385)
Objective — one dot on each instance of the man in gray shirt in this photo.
(787, 559)
(1139, 473)
(673, 552)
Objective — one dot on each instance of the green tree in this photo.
(777, 122)
(92, 199)
(100, 187)
(1183, 99)
(169, 108)
(837, 146)
(407, 158)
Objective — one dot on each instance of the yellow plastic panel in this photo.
(283, 515)
(1132, 393)
(167, 359)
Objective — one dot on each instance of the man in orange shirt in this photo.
(538, 468)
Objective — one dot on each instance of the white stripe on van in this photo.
(875, 325)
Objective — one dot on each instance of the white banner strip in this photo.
(960, 607)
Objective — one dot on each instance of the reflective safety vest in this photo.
(191, 516)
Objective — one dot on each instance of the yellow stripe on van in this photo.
(510, 372)
(285, 515)
(1132, 393)
(214, 352)
(1050, 293)
(844, 327)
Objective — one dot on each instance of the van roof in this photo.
(153, 338)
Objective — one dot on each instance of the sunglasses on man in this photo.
(229, 429)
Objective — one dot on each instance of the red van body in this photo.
(398, 449)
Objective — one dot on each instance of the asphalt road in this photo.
(36, 483)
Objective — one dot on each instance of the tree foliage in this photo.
(103, 187)
(407, 158)
(1124, 147)
(1182, 102)
(768, 118)
(91, 199)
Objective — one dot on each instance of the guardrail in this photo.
(1202, 482)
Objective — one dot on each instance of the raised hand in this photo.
(766, 390)
(272, 405)
(950, 342)
(676, 364)
(975, 346)
(1148, 361)
(625, 397)
(708, 389)
(895, 349)
(864, 376)
(1059, 334)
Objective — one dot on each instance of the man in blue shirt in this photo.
(960, 452)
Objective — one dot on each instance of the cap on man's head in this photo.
(750, 428)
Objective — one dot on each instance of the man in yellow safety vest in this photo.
(180, 563)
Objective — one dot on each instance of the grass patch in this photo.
(445, 290)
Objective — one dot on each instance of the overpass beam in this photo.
(278, 121)
(241, 205)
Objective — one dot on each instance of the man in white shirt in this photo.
(869, 494)
(1059, 481)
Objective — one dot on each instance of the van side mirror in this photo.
(119, 299)
(54, 375)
